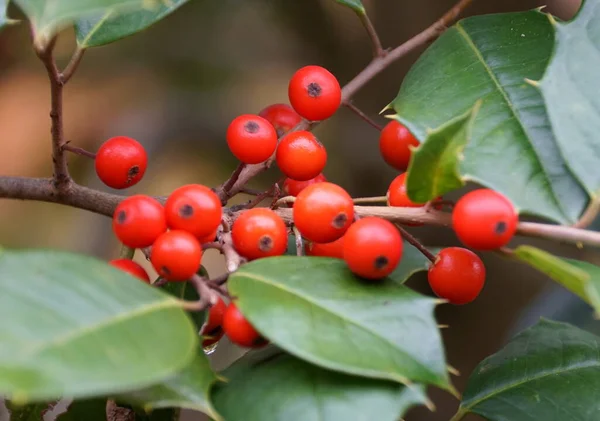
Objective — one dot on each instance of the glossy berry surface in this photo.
(458, 275)
(334, 249)
(372, 248)
(394, 144)
(397, 195)
(294, 187)
(300, 156)
(484, 219)
(251, 139)
(282, 117)
(323, 212)
(215, 317)
(176, 255)
(314, 93)
(209, 238)
(259, 232)
(239, 330)
(194, 208)
(121, 162)
(132, 268)
(139, 220)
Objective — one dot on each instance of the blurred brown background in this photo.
(175, 88)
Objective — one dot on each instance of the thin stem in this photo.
(70, 69)
(126, 252)
(416, 243)
(459, 415)
(559, 233)
(378, 50)
(224, 191)
(367, 200)
(589, 215)
(299, 242)
(232, 259)
(78, 151)
(208, 297)
(362, 115)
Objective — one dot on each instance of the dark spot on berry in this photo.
(314, 90)
(121, 217)
(133, 171)
(251, 127)
(340, 221)
(165, 270)
(265, 244)
(381, 262)
(186, 211)
(500, 228)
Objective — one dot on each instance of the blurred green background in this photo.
(176, 86)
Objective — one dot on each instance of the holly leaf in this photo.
(4, 19)
(355, 5)
(569, 89)
(33, 412)
(435, 165)
(88, 410)
(114, 24)
(71, 325)
(413, 261)
(186, 291)
(549, 372)
(302, 304)
(579, 277)
(305, 392)
(512, 148)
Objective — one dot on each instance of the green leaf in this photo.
(50, 16)
(581, 278)
(88, 410)
(4, 19)
(413, 261)
(512, 148)
(74, 326)
(435, 165)
(112, 25)
(188, 389)
(549, 372)
(355, 5)
(291, 247)
(570, 87)
(33, 412)
(186, 291)
(290, 389)
(303, 303)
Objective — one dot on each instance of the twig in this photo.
(284, 201)
(559, 233)
(367, 200)
(232, 259)
(126, 252)
(78, 151)
(69, 70)
(362, 115)
(224, 191)
(215, 245)
(589, 215)
(299, 242)
(416, 243)
(207, 296)
(378, 50)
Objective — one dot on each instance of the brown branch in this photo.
(378, 50)
(224, 191)
(559, 233)
(232, 259)
(78, 151)
(208, 296)
(71, 67)
(299, 242)
(415, 243)
(362, 115)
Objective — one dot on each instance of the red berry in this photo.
(259, 232)
(315, 93)
(208, 238)
(457, 275)
(323, 212)
(282, 117)
(394, 144)
(334, 249)
(239, 330)
(131, 268)
(372, 248)
(301, 156)
(484, 219)
(176, 255)
(215, 317)
(251, 138)
(121, 162)
(294, 187)
(397, 195)
(195, 209)
(139, 220)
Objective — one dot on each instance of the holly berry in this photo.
(176, 255)
(294, 187)
(282, 117)
(213, 330)
(259, 232)
(315, 93)
(301, 156)
(139, 220)
(208, 238)
(457, 275)
(334, 249)
(239, 330)
(372, 248)
(397, 195)
(251, 138)
(195, 209)
(121, 162)
(323, 212)
(394, 144)
(484, 219)
(131, 268)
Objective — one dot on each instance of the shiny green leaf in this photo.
(112, 24)
(4, 19)
(302, 304)
(581, 278)
(355, 5)
(74, 326)
(512, 148)
(282, 387)
(549, 372)
(88, 410)
(570, 88)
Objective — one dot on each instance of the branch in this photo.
(208, 297)
(299, 242)
(590, 214)
(68, 72)
(362, 115)
(224, 191)
(78, 151)
(378, 50)
(415, 243)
